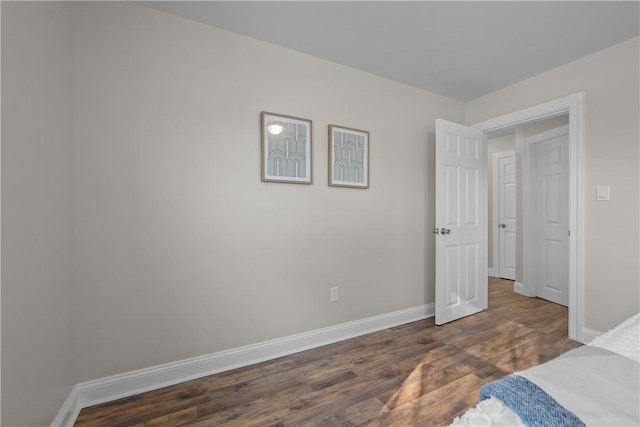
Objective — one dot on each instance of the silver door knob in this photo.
(502, 225)
(445, 231)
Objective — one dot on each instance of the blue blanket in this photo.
(534, 406)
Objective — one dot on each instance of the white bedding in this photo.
(624, 340)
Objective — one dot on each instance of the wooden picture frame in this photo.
(285, 149)
(348, 157)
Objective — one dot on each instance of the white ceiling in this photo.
(462, 50)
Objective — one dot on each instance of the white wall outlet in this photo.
(333, 293)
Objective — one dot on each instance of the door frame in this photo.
(573, 105)
(496, 268)
(528, 242)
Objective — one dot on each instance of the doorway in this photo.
(502, 207)
(525, 248)
(461, 281)
(573, 106)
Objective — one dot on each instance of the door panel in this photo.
(471, 191)
(472, 280)
(461, 251)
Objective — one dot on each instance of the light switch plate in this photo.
(602, 192)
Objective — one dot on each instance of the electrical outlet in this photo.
(333, 293)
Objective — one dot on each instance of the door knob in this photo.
(445, 231)
(502, 225)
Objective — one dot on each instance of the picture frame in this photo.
(285, 148)
(348, 157)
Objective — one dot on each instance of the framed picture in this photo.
(285, 149)
(348, 157)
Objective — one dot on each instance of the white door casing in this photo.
(506, 225)
(461, 221)
(546, 221)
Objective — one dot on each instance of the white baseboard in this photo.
(492, 272)
(128, 384)
(589, 335)
(69, 412)
(520, 288)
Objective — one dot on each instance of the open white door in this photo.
(461, 221)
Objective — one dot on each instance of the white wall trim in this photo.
(589, 335)
(69, 411)
(106, 389)
(493, 272)
(520, 288)
(574, 106)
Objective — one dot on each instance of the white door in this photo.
(507, 216)
(461, 221)
(550, 224)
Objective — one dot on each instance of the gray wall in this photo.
(38, 363)
(175, 231)
(137, 230)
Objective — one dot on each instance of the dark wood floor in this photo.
(416, 374)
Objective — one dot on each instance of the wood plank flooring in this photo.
(416, 374)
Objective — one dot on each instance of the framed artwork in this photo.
(285, 148)
(348, 157)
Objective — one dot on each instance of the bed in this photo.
(594, 385)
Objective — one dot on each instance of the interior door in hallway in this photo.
(507, 215)
(461, 221)
(550, 197)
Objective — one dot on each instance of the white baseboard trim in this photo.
(520, 288)
(589, 335)
(492, 272)
(70, 410)
(106, 389)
